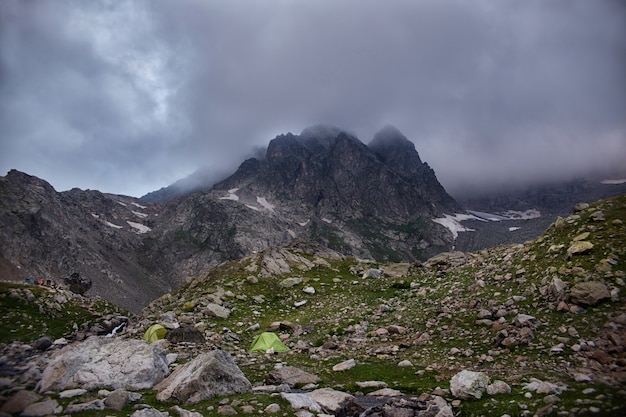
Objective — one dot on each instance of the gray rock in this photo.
(226, 410)
(579, 247)
(217, 310)
(19, 402)
(345, 365)
(83, 407)
(301, 401)
(102, 362)
(150, 412)
(290, 282)
(181, 412)
(117, 400)
(371, 384)
(469, 385)
(498, 387)
(210, 374)
(272, 409)
(589, 293)
(291, 376)
(70, 393)
(332, 401)
(43, 408)
(386, 392)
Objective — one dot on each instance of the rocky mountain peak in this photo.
(399, 153)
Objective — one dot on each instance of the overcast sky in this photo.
(130, 96)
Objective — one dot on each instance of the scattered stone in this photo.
(405, 364)
(522, 320)
(19, 402)
(268, 389)
(589, 293)
(498, 387)
(117, 400)
(43, 408)
(291, 376)
(217, 310)
(468, 385)
(371, 384)
(208, 375)
(272, 409)
(101, 362)
(150, 412)
(345, 365)
(70, 393)
(226, 410)
(301, 401)
(543, 387)
(185, 334)
(386, 392)
(579, 247)
(395, 329)
(308, 290)
(42, 343)
(181, 412)
(331, 400)
(94, 405)
(290, 282)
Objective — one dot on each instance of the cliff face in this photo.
(325, 185)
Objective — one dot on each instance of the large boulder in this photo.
(78, 284)
(291, 376)
(469, 385)
(210, 374)
(589, 293)
(333, 401)
(101, 362)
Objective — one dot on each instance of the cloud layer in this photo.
(129, 96)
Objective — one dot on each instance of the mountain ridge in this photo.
(376, 201)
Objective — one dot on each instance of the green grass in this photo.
(49, 313)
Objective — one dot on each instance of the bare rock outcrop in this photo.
(101, 362)
(210, 374)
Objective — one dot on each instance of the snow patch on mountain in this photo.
(231, 195)
(453, 223)
(139, 228)
(265, 204)
(139, 214)
(115, 226)
(138, 205)
(506, 215)
(513, 228)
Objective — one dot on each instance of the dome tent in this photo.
(267, 342)
(154, 333)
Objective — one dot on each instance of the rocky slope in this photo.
(375, 201)
(539, 327)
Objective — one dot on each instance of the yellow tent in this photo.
(267, 342)
(154, 333)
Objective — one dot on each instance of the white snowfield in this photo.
(453, 223)
(231, 195)
(265, 204)
(139, 228)
(115, 226)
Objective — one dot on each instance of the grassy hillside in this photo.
(456, 311)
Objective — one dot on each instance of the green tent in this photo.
(154, 333)
(267, 341)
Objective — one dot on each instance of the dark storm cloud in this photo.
(130, 96)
